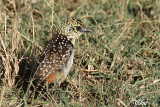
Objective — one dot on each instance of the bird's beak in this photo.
(85, 30)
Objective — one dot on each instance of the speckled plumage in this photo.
(59, 52)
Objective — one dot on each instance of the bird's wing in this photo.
(57, 51)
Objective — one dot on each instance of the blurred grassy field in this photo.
(116, 65)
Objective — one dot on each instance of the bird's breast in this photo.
(69, 63)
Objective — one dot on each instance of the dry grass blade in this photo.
(6, 63)
(122, 102)
(2, 95)
(31, 41)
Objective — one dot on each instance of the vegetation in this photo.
(116, 65)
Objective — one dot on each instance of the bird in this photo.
(59, 52)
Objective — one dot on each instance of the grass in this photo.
(116, 65)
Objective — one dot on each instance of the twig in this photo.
(86, 70)
(31, 41)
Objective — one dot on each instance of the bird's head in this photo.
(72, 28)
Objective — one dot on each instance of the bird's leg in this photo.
(51, 76)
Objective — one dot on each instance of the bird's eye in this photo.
(78, 28)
